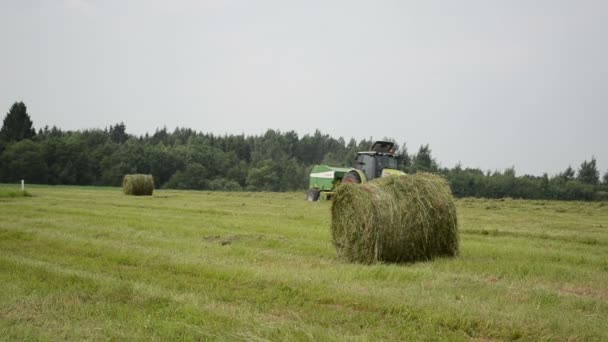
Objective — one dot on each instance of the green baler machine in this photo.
(323, 181)
(379, 161)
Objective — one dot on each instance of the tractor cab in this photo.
(383, 147)
(381, 156)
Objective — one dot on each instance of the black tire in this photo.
(351, 177)
(313, 195)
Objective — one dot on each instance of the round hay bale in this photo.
(395, 219)
(138, 185)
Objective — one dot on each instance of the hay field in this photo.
(92, 263)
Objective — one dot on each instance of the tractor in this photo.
(379, 161)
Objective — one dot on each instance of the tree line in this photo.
(274, 161)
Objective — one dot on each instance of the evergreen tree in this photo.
(588, 172)
(567, 175)
(118, 133)
(423, 161)
(17, 124)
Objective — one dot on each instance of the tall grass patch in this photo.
(4, 192)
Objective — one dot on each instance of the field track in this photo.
(85, 263)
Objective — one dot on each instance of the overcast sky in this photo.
(491, 84)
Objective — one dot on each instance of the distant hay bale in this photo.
(395, 219)
(138, 185)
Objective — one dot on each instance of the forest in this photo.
(273, 161)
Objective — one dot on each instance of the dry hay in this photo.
(395, 219)
(138, 185)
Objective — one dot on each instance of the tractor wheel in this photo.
(351, 177)
(313, 195)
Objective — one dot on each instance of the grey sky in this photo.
(492, 84)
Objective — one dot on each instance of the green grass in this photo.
(91, 263)
(13, 192)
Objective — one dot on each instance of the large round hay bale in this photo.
(395, 219)
(138, 185)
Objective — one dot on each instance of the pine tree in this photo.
(423, 161)
(588, 172)
(568, 174)
(17, 124)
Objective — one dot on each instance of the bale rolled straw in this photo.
(138, 185)
(395, 219)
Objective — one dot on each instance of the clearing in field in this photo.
(92, 263)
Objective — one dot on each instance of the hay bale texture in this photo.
(395, 219)
(138, 185)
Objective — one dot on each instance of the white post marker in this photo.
(23, 185)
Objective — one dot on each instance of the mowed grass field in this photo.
(82, 263)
